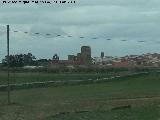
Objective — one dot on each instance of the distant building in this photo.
(83, 58)
(106, 60)
(86, 55)
(79, 57)
(72, 57)
(102, 55)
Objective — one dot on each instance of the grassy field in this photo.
(137, 113)
(41, 77)
(88, 102)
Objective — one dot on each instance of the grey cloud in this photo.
(133, 20)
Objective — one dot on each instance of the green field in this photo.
(137, 113)
(88, 102)
(28, 77)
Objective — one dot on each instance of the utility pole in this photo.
(8, 66)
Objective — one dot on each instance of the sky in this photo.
(116, 27)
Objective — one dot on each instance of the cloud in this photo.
(133, 20)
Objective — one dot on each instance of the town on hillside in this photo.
(84, 58)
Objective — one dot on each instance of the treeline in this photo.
(19, 60)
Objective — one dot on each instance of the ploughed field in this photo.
(128, 98)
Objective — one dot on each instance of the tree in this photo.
(20, 60)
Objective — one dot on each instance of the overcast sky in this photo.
(137, 21)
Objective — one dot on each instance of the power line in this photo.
(69, 36)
